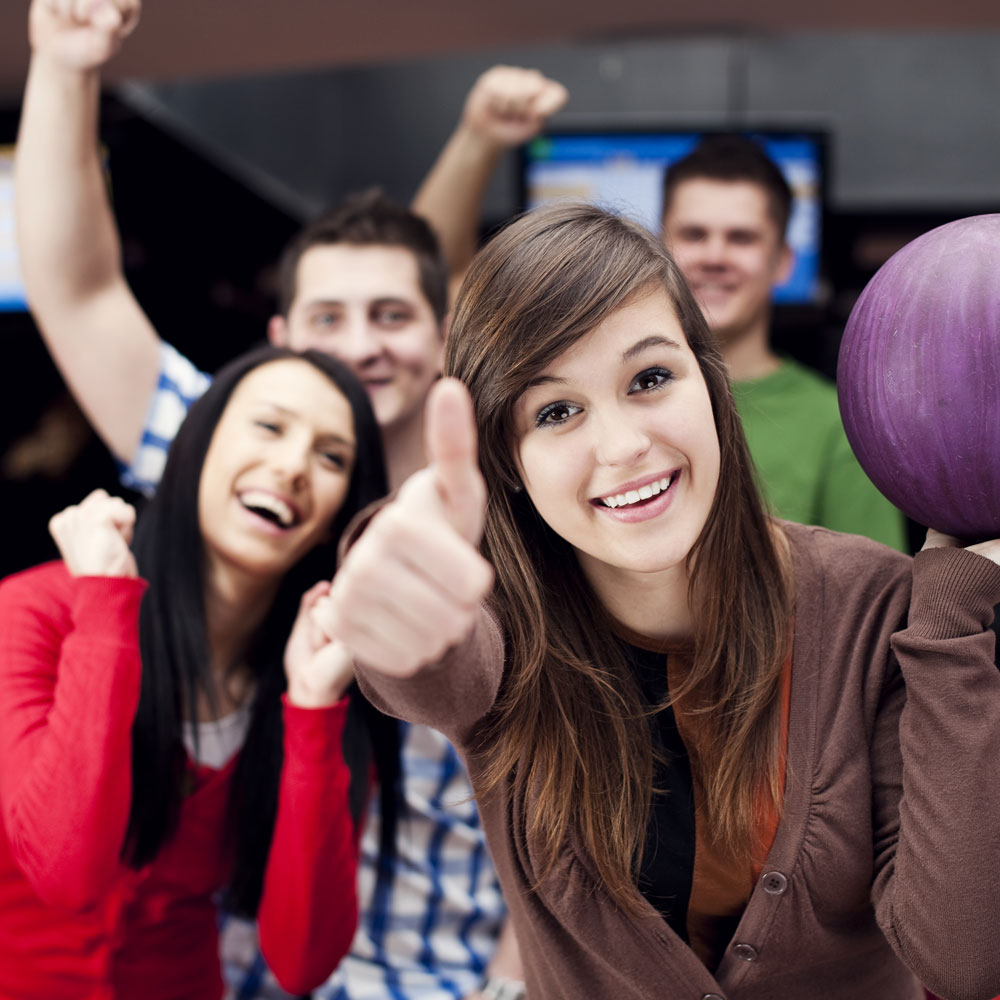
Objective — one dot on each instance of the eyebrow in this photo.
(654, 341)
(323, 436)
(381, 300)
(628, 355)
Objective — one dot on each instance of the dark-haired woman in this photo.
(716, 755)
(150, 755)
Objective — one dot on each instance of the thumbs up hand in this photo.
(410, 587)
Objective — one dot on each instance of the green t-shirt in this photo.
(807, 470)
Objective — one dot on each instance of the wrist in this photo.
(43, 60)
(302, 696)
(471, 142)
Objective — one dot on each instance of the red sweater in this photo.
(74, 921)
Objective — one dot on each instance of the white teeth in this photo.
(634, 496)
(267, 501)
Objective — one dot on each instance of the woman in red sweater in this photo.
(150, 755)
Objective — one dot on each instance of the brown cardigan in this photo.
(887, 858)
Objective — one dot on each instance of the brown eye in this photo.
(650, 380)
(555, 413)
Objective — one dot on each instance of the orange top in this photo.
(721, 884)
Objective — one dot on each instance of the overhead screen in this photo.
(623, 171)
(11, 289)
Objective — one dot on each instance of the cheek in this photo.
(547, 472)
(333, 496)
(420, 353)
(214, 477)
(309, 339)
(684, 256)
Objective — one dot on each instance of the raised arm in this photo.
(69, 687)
(937, 790)
(97, 333)
(506, 107)
(410, 588)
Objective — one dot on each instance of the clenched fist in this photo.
(94, 536)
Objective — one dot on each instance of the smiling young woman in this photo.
(172, 723)
(684, 720)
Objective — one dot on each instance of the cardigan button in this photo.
(745, 951)
(712, 996)
(774, 882)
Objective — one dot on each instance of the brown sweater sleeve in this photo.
(451, 695)
(936, 762)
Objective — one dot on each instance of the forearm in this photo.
(937, 870)
(96, 331)
(451, 195)
(308, 910)
(68, 704)
(66, 234)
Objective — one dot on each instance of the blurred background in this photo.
(227, 124)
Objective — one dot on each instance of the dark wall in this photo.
(913, 116)
(197, 249)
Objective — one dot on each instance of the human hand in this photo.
(410, 587)
(509, 105)
(319, 669)
(81, 34)
(93, 536)
(939, 540)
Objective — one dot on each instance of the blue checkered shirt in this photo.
(179, 384)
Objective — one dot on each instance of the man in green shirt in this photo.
(725, 210)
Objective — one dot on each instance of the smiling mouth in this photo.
(713, 289)
(631, 498)
(270, 508)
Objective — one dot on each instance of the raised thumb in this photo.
(452, 452)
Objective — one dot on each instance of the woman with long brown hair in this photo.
(716, 755)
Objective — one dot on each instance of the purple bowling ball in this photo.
(919, 378)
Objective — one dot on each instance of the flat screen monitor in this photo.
(623, 171)
(11, 288)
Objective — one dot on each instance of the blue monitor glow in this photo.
(623, 171)
(11, 288)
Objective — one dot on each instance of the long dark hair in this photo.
(174, 646)
(564, 726)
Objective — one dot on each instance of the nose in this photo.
(289, 461)
(712, 251)
(360, 343)
(619, 438)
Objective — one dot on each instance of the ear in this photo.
(786, 261)
(277, 331)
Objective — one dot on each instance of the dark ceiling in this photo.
(206, 38)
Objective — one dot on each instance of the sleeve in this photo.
(179, 384)
(309, 907)
(936, 759)
(850, 502)
(451, 695)
(69, 689)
